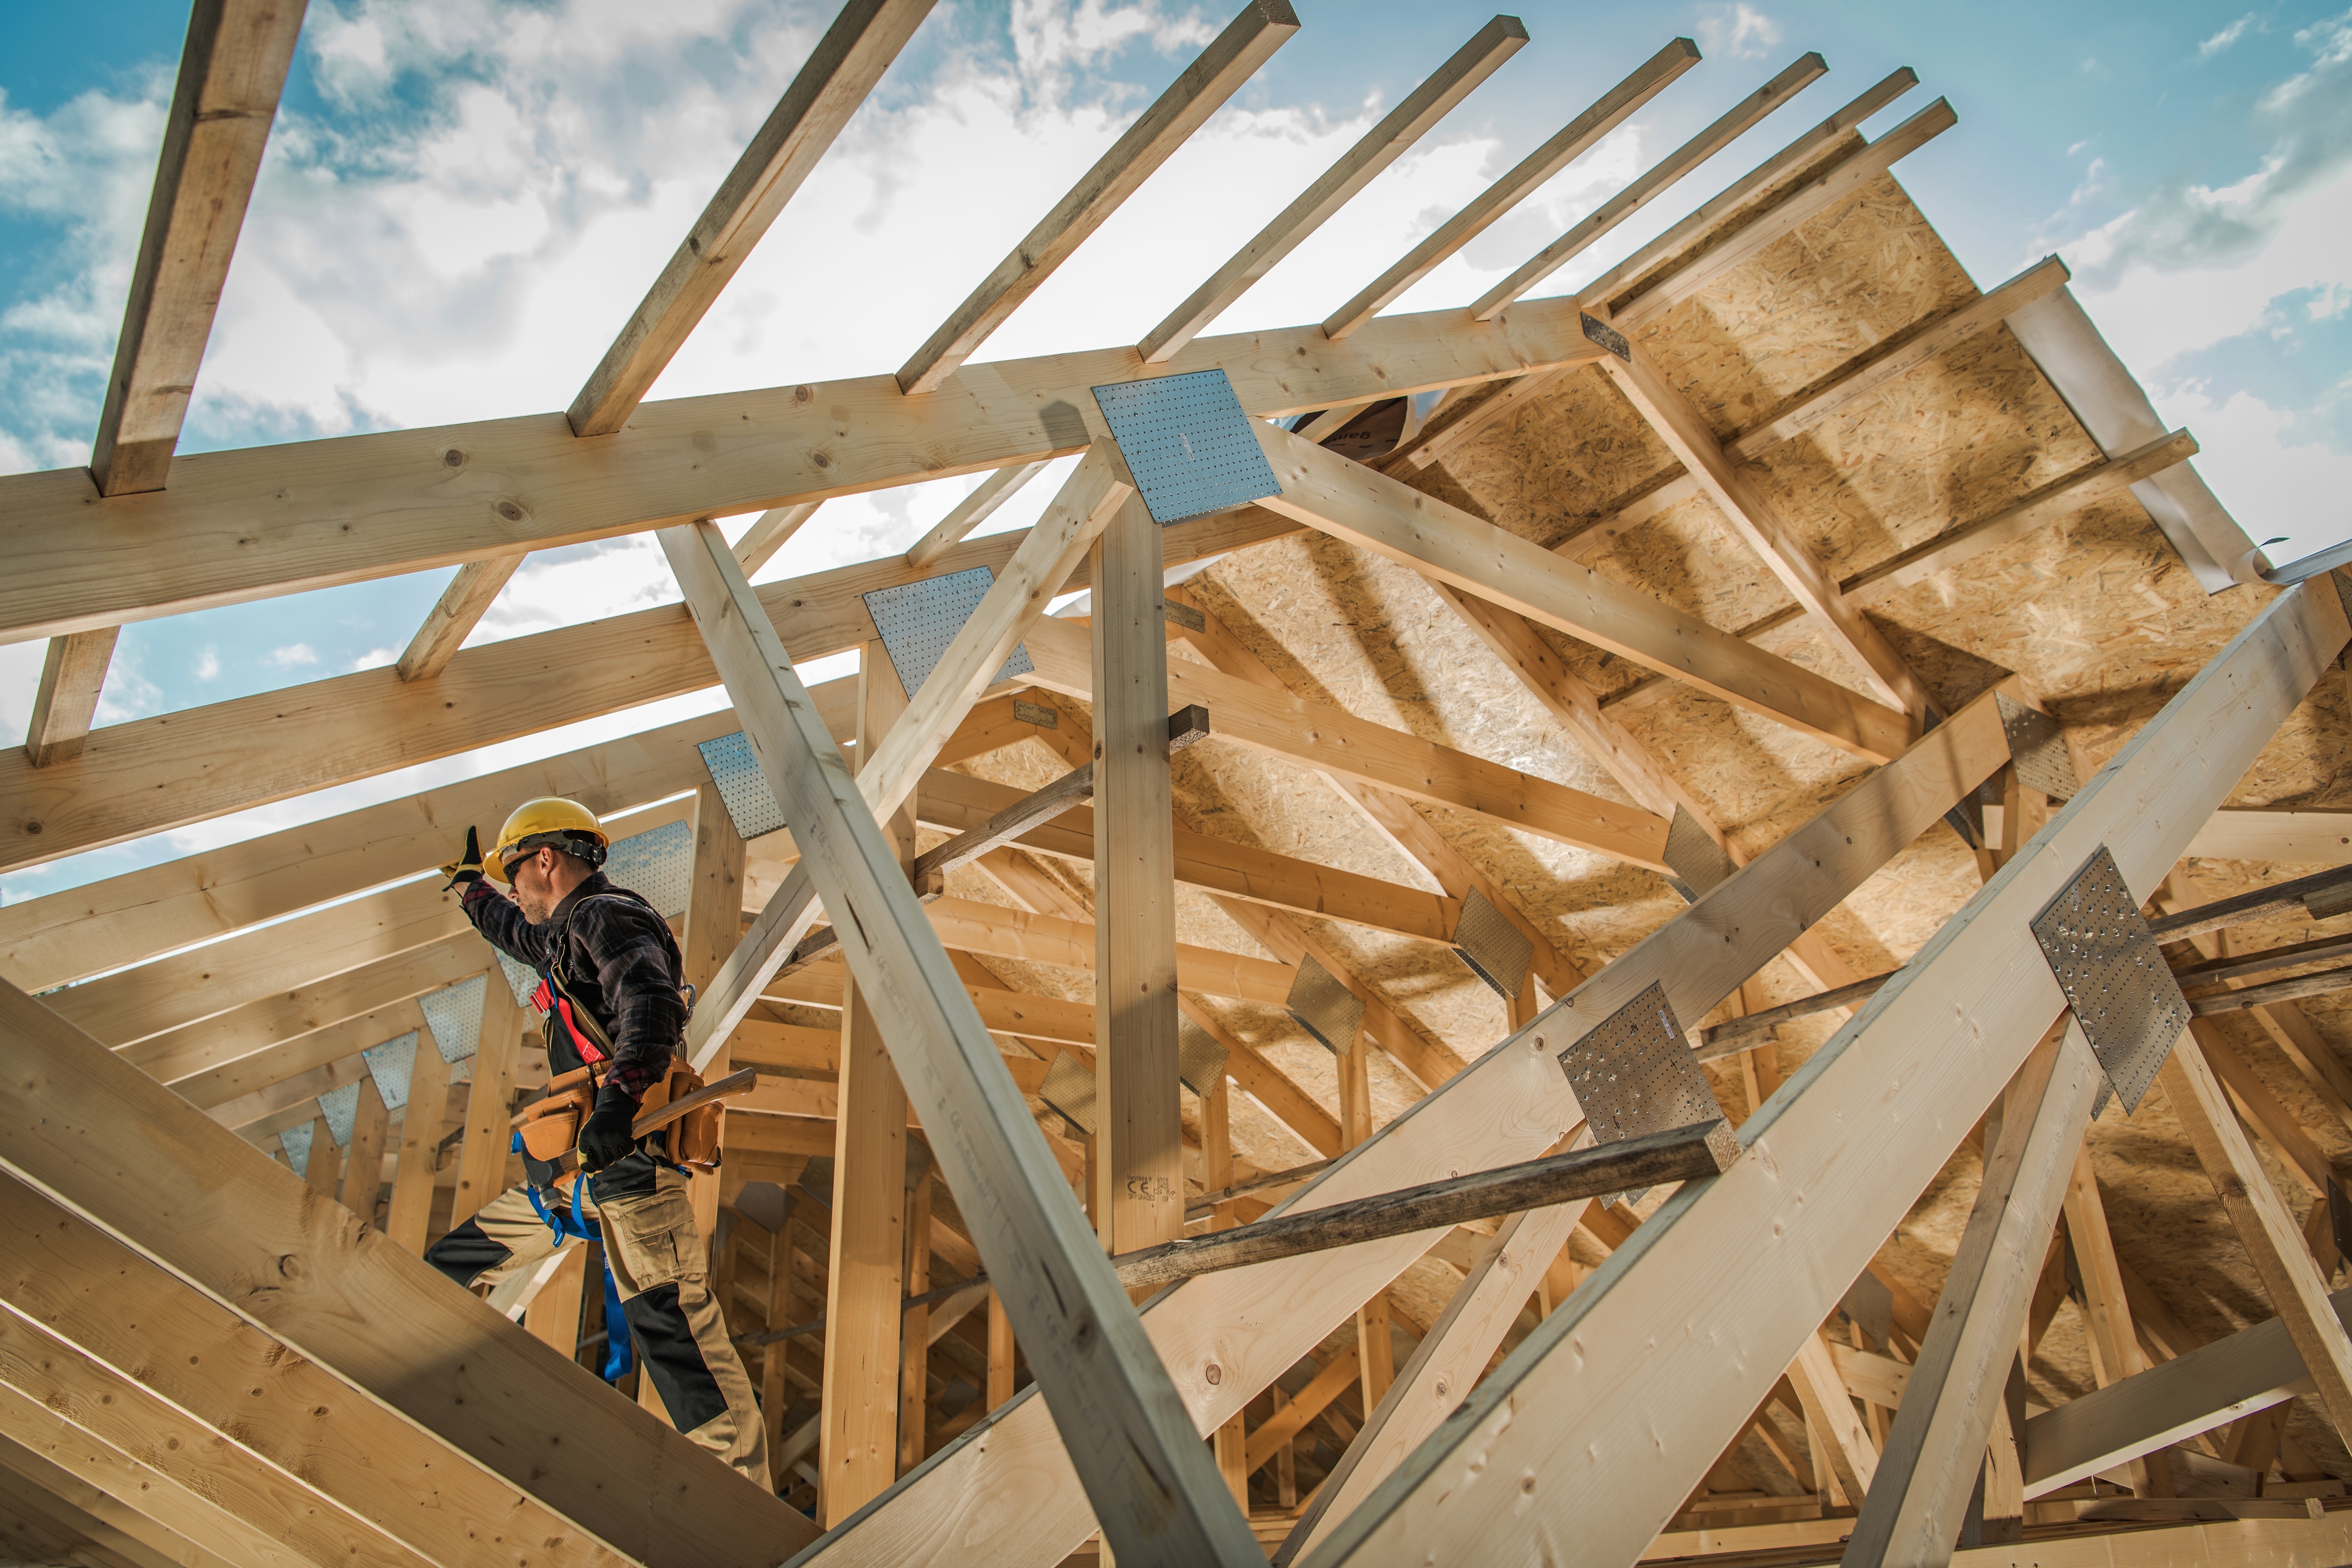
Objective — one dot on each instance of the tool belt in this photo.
(549, 1128)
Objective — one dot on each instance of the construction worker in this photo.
(610, 987)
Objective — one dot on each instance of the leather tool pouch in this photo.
(550, 1127)
(694, 1137)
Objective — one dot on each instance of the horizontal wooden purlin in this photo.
(264, 521)
(258, 1071)
(957, 802)
(992, 930)
(1333, 740)
(277, 1021)
(166, 772)
(290, 1093)
(1375, 512)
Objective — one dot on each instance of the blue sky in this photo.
(462, 202)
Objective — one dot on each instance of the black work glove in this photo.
(467, 868)
(605, 1137)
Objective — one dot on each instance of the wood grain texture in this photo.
(73, 673)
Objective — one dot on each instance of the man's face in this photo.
(534, 887)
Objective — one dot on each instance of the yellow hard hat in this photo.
(560, 824)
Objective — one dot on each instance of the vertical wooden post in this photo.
(714, 920)
(420, 1146)
(1229, 1441)
(2115, 1347)
(482, 1160)
(363, 1169)
(858, 1448)
(775, 1360)
(1376, 1356)
(1286, 1460)
(1138, 1116)
(914, 1331)
(553, 1316)
(1000, 1351)
(326, 1162)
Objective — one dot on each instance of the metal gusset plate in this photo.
(1200, 1059)
(1608, 337)
(1036, 713)
(1498, 952)
(2037, 749)
(390, 1064)
(1636, 1073)
(916, 621)
(1324, 1007)
(657, 865)
(296, 1142)
(742, 788)
(341, 1107)
(1701, 864)
(2116, 981)
(454, 1015)
(1069, 1092)
(521, 979)
(1188, 443)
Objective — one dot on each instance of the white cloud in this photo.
(375, 658)
(2225, 37)
(1738, 31)
(293, 656)
(2268, 483)
(208, 665)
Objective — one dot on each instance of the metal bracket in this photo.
(657, 865)
(1324, 1007)
(916, 621)
(1188, 443)
(1634, 1074)
(1608, 337)
(742, 788)
(1200, 1059)
(2116, 980)
(341, 1107)
(390, 1064)
(1068, 1092)
(2037, 749)
(454, 1015)
(1498, 952)
(296, 1142)
(1700, 864)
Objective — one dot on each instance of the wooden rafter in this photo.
(1198, 91)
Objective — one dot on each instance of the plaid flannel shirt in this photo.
(622, 966)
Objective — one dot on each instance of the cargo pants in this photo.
(657, 1259)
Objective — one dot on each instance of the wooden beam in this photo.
(462, 605)
(373, 1313)
(1381, 146)
(2115, 1348)
(916, 1333)
(482, 1158)
(1513, 1104)
(136, 1541)
(2295, 837)
(1842, 1445)
(322, 1171)
(355, 507)
(2272, 1237)
(824, 94)
(1199, 91)
(1138, 1132)
(1330, 740)
(363, 1164)
(232, 68)
(865, 1278)
(1825, 188)
(1727, 128)
(969, 513)
(1679, 423)
(1290, 1419)
(1928, 1055)
(73, 673)
(1935, 1451)
(1369, 510)
(1151, 1482)
(1742, 196)
(1897, 357)
(1570, 143)
(419, 1154)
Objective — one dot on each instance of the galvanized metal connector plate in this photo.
(341, 1107)
(390, 1064)
(1324, 1007)
(1068, 1092)
(2037, 749)
(1189, 443)
(2116, 980)
(657, 865)
(1636, 1073)
(1701, 864)
(455, 1013)
(296, 1142)
(1608, 337)
(916, 621)
(1498, 952)
(1200, 1059)
(742, 787)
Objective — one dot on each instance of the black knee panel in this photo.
(466, 1254)
(666, 1348)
